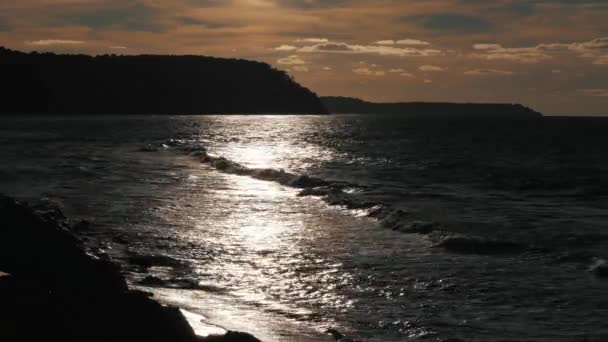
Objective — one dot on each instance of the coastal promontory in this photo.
(40, 83)
(444, 110)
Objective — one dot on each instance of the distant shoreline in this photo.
(349, 105)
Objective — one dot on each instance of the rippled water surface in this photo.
(253, 255)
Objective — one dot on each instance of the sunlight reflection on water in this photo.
(264, 238)
(267, 141)
(286, 268)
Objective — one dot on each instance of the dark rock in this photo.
(152, 281)
(335, 334)
(142, 293)
(394, 219)
(222, 164)
(57, 291)
(82, 226)
(378, 211)
(35, 246)
(338, 336)
(315, 192)
(267, 174)
(305, 181)
(232, 336)
(200, 153)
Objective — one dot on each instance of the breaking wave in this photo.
(339, 193)
(332, 192)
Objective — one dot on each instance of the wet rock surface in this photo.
(53, 288)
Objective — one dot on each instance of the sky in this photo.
(551, 55)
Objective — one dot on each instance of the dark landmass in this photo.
(40, 83)
(57, 290)
(349, 105)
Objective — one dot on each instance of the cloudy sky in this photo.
(549, 54)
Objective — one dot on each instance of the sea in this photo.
(382, 227)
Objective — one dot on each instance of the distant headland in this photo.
(41, 83)
(48, 83)
(349, 105)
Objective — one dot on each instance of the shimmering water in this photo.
(252, 255)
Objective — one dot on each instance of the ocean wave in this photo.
(220, 163)
(339, 193)
(599, 268)
(464, 244)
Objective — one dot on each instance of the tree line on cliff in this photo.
(147, 84)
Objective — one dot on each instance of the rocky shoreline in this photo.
(52, 287)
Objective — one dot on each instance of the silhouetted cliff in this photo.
(348, 105)
(147, 84)
(79, 294)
